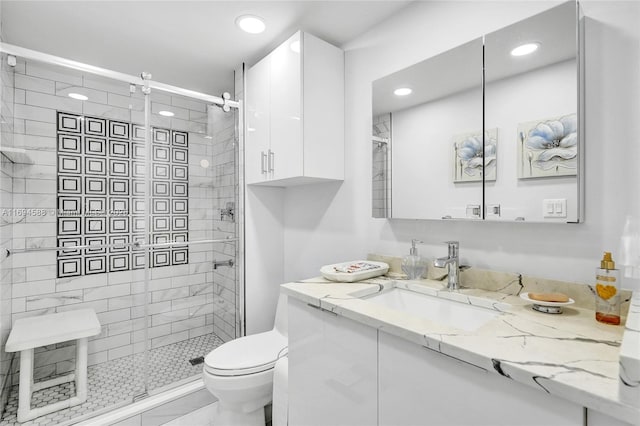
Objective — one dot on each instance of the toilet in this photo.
(240, 373)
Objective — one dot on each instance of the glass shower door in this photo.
(192, 247)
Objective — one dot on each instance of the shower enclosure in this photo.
(119, 194)
(381, 164)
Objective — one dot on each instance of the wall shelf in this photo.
(16, 155)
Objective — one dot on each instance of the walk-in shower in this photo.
(122, 195)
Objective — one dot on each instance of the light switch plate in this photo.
(554, 208)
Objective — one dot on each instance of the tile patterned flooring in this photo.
(115, 382)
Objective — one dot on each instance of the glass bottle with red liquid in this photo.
(608, 291)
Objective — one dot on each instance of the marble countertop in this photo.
(569, 355)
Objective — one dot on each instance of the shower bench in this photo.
(41, 330)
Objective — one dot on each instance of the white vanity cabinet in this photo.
(332, 369)
(295, 114)
(420, 386)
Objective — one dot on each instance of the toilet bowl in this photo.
(240, 373)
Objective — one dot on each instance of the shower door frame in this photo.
(144, 81)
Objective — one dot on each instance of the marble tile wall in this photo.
(381, 162)
(183, 300)
(6, 220)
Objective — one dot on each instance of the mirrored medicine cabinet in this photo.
(489, 130)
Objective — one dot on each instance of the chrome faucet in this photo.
(452, 263)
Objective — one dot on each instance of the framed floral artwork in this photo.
(548, 147)
(468, 164)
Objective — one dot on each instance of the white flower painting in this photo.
(468, 164)
(548, 147)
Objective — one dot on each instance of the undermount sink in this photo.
(447, 312)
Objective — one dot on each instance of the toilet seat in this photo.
(246, 355)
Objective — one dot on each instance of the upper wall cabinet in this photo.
(295, 114)
(491, 129)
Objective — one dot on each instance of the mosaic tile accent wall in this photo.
(101, 195)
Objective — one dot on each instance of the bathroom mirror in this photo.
(531, 99)
(434, 157)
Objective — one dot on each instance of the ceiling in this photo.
(191, 44)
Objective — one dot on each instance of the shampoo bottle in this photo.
(414, 266)
(608, 291)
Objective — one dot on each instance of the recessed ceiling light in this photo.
(78, 96)
(295, 46)
(251, 24)
(402, 91)
(166, 113)
(250, 129)
(525, 49)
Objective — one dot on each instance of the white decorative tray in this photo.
(356, 270)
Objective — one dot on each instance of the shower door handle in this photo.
(263, 158)
(272, 160)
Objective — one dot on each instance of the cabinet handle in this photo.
(272, 160)
(263, 157)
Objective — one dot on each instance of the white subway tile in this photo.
(19, 96)
(105, 111)
(169, 339)
(18, 304)
(23, 230)
(106, 85)
(54, 102)
(97, 358)
(53, 300)
(39, 128)
(30, 112)
(110, 342)
(53, 72)
(128, 102)
(175, 293)
(97, 305)
(169, 317)
(37, 143)
(82, 282)
(186, 325)
(34, 258)
(97, 96)
(119, 315)
(41, 186)
(107, 292)
(34, 84)
(32, 288)
(120, 352)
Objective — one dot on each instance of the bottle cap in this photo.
(607, 261)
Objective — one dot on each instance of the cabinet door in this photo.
(286, 113)
(332, 369)
(420, 386)
(258, 121)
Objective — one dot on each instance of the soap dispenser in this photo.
(607, 291)
(414, 266)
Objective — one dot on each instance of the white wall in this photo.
(330, 223)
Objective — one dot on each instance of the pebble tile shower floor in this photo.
(119, 380)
